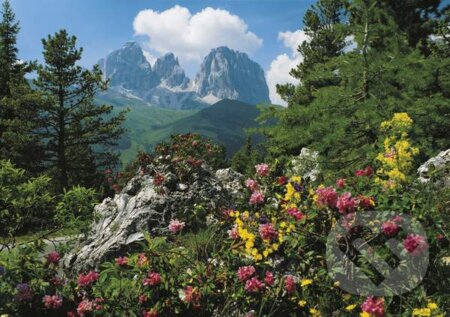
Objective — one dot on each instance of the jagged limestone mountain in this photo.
(224, 74)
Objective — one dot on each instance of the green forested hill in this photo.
(223, 122)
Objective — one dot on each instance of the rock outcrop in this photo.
(436, 170)
(143, 206)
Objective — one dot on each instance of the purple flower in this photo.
(24, 292)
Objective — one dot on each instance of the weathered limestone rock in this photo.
(142, 206)
(436, 169)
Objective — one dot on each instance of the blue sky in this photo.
(105, 25)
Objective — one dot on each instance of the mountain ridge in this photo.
(224, 74)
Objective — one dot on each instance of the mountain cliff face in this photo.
(229, 74)
(128, 69)
(224, 74)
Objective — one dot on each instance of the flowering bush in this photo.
(265, 258)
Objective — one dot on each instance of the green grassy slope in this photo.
(146, 126)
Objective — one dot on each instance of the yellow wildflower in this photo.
(432, 306)
(350, 307)
(302, 303)
(314, 312)
(305, 282)
(364, 314)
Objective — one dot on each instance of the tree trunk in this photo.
(62, 162)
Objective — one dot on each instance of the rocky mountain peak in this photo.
(226, 73)
(168, 69)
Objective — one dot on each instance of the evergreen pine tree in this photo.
(81, 136)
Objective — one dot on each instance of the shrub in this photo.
(25, 203)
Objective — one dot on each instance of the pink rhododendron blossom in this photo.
(53, 257)
(373, 306)
(269, 279)
(142, 260)
(340, 183)
(150, 313)
(233, 233)
(366, 202)
(390, 228)
(346, 204)
(84, 307)
(327, 197)
(267, 231)
(256, 198)
(294, 212)
(251, 184)
(143, 298)
(192, 295)
(415, 244)
(262, 170)
(289, 284)
(122, 261)
(52, 302)
(88, 279)
(245, 272)
(368, 171)
(153, 279)
(253, 285)
(176, 226)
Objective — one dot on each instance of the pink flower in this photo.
(390, 228)
(85, 280)
(84, 307)
(256, 198)
(366, 202)
(192, 295)
(267, 231)
(251, 184)
(368, 171)
(143, 298)
(373, 306)
(153, 279)
(253, 285)
(233, 233)
(53, 257)
(122, 261)
(176, 226)
(282, 180)
(142, 260)
(269, 279)
(245, 272)
(262, 170)
(415, 244)
(52, 302)
(294, 212)
(326, 197)
(346, 204)
(440, 237)
(340, 183)
(289, 284)
(151, 313)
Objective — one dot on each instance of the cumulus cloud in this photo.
(280, 67)
(191, 36)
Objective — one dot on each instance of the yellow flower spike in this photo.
(305, 282)
(302, 303)
(350, 307)
(265, 253)
(283, 224)
(257, 215)
(432, 306)
(364, 314)
(245, 215)
(314, 312)
(296, 179)
(258, 257)
(275, 247)
(254, 252)
(237, 214)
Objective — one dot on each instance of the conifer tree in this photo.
(81, 136)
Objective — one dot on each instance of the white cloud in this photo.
(280, 67)
(149, 57)
(192, 36)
